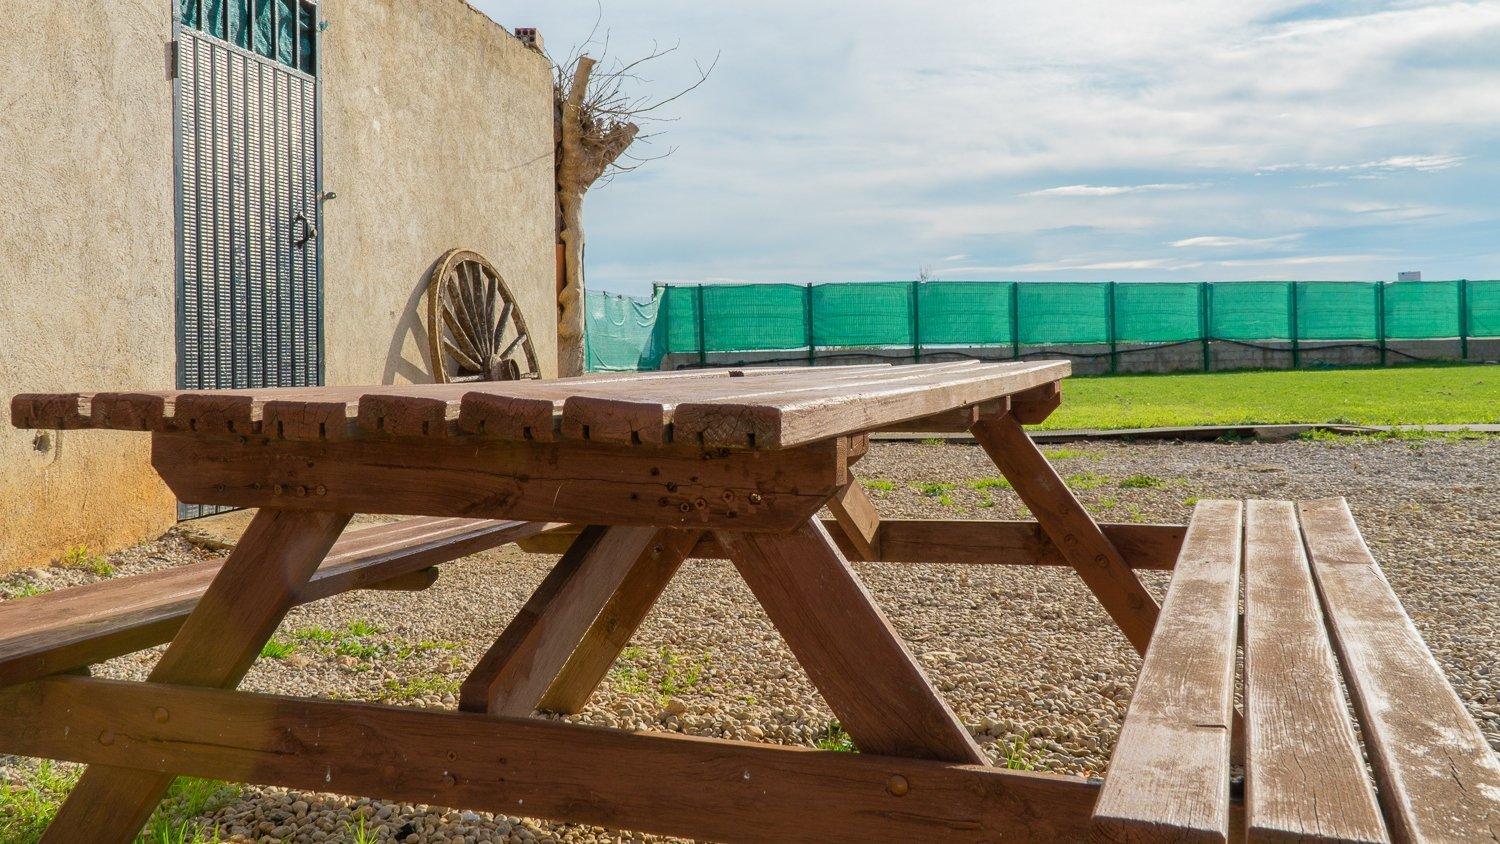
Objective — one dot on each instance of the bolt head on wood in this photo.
(897, 785)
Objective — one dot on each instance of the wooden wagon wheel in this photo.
(474, 324)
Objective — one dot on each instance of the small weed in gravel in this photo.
(25, 810)
(934, 441)
(626, 676)
(322, 635)
(80, 557)
(188, 798)
(360, 627)
(1191, 500)
(1063, 453)
(932, 489)
(277, 649)
(986, 501)
(1018, 756)
(1142, 482)
(357, 649)
(833, 737)
(680, 675)
(1087, 480)
(1108, 502)
(24, 589)
(989, 483)
(877, 484)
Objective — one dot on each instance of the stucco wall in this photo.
(86, 268)
(437, 133)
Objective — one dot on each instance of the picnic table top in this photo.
(764, 408)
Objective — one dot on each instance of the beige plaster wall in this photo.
(86, 263)
(437, 133)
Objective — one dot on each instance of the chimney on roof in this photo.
(530, 36)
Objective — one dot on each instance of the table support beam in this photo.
(618, 621)
(857, 520)
(517, 670)
(1070, 527)
(849, 650)
(217, 644)
(670, 784)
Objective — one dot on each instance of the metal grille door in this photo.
(249, 285)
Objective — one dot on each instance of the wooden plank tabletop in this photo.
(717, 408)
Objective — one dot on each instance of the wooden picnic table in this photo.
(633, 474)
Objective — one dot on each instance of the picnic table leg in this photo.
(1069, 526)
(618, 621)
(516, 672)
(849, 650)
(217, 644)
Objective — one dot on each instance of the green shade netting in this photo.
(964, 313)
(1484, 308)
(754, 316)
(619, 333)
(1336, 310)
(1157, 313)
(679, 306)
(1053, 313)
(771, 317)
(1250, 310)
(1416, 310)
(871, 314)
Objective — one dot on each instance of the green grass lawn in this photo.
(1409, 395)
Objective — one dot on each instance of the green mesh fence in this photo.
(917, 316)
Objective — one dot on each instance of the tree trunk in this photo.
(570, 189)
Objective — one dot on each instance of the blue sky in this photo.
(1087, 140)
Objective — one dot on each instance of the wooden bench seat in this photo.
(72, 628)
(1307, 573)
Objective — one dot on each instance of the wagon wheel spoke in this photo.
(470, 313)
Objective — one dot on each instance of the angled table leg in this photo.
(848, 648)
(515, 673)
(217, 644)
(618, 621)
(1069, 527)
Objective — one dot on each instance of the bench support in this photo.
(848, 648)
(1071, 528)
(217, 644)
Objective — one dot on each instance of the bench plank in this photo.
(1305, 774)
(62, 630)
(1438, 778)
(1168, 779)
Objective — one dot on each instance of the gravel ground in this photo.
(1023, 654)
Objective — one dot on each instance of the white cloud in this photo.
(959, 257)
(1227, 241)
(1419, 163)
(1112, 190)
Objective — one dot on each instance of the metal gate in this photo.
(246, 142)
